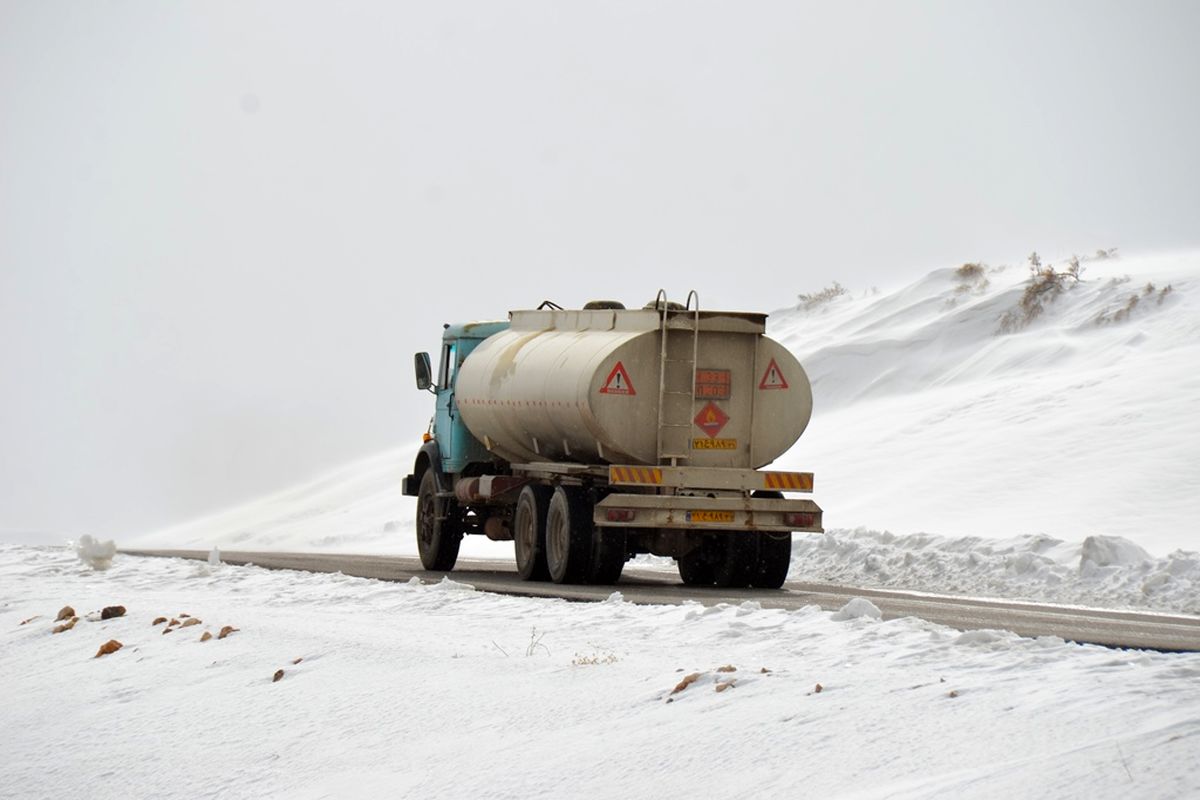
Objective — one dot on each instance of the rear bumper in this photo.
(706, 513)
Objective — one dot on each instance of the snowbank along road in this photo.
(650, 586)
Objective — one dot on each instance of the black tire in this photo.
(608, 555)
(529, 533)
(774, 553)
(438, 532)
(568, 536)
(696, 567)
(774, 559)
(737, 559)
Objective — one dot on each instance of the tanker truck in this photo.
(588, 436)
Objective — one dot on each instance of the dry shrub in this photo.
(1044, 286)
(970, 272)
(1132, 303)
(810, 301)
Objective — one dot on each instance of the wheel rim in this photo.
(526, 533)
(426, 519)
(556, 539)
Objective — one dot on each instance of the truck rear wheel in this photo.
(529, 533)
(737, 560)
(774, 553)
(696, 566)
(568, 536)
(438, 534)
(608, 555)
(774, 558)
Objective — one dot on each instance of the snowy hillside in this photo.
(1019, 458)
(928, 418)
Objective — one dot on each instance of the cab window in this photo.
(446, 369)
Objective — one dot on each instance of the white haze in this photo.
(224, 228)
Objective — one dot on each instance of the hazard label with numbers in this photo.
(773, 378)
(618, 382)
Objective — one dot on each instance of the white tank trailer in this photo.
(589, 436)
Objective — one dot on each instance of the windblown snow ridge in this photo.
(929, 417)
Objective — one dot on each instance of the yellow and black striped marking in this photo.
(796, 481)
(650, 475)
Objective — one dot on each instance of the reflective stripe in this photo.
(800, 481)
(635, 475)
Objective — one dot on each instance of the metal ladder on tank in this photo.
(666, 423)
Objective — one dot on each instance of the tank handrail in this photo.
(688, 305)
(549, 304)
(660, 301)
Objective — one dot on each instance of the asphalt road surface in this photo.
(1132, 629)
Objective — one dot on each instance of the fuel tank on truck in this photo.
(584, 386)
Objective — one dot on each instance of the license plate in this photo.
(710, 516)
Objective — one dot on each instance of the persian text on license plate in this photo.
(710, 516)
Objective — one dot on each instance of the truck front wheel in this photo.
(438, 536)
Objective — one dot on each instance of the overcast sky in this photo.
(226, 226)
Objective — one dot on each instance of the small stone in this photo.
(278, 676)
(184, 616)
(953, 693)
(297, 661)
(66, 626)
(686, 682)
(819, 688)
(112, 611)
(168, 630)
(31, 619)
(66, 613)
(111, 646)
(172, 623)
(206, 636)
(727, 668)
(764, 671)
(228, 629)
(189, 622)
(159, 621)
(725, 685)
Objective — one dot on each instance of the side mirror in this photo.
(424, 371)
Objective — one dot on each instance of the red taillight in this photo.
(620, 515)
(798, 519)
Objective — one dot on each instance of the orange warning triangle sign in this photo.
(618, 382)
(773, 378)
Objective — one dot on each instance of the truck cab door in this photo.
(445, 417)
